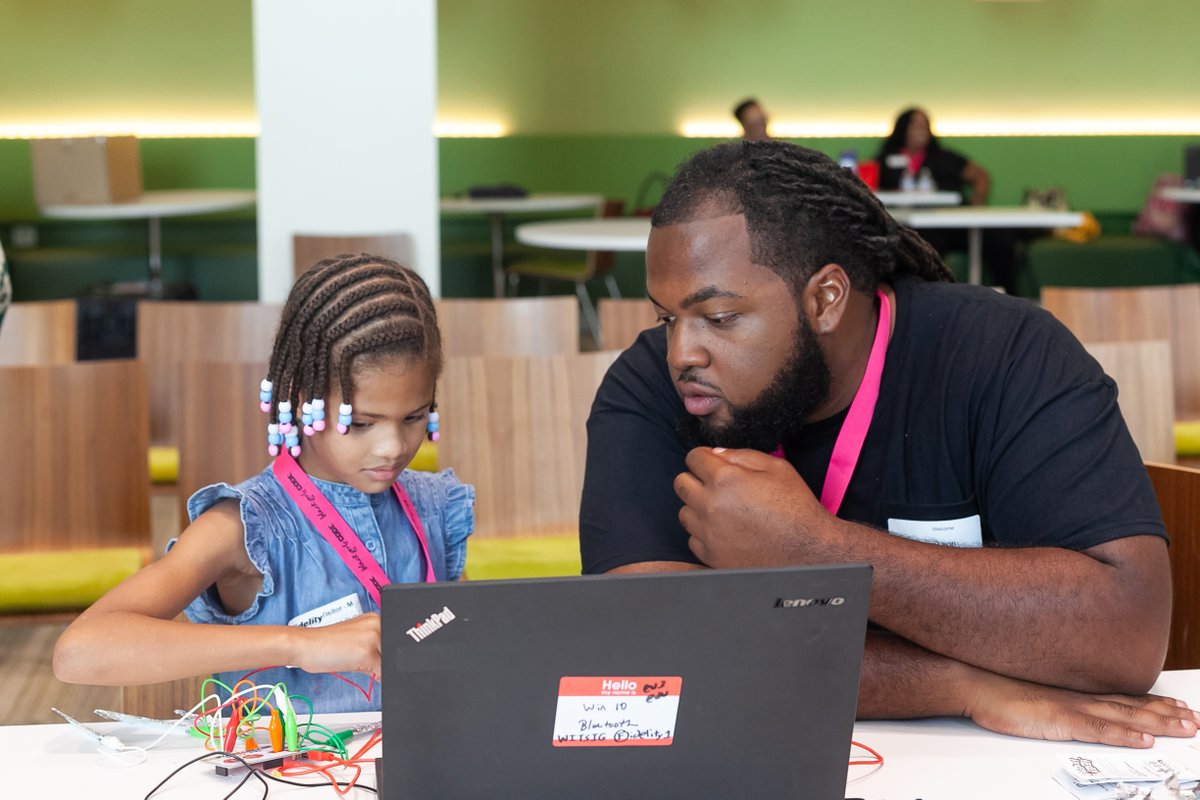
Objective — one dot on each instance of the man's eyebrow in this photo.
(707, 293)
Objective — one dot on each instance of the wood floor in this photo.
(28, 687)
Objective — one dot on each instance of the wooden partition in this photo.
(1142, 371)
(40, 332)
(73, 474)
(621, 320)
(308, 249)
(516, 429)
(518, 326)
(224, 437)
(1142, 313)
(1178, 491)
(172, 333)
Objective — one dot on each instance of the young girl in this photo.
(273, 562)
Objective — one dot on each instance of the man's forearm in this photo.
(1047, 615)
(903, 681)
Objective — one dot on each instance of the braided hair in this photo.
(346, 312)
(802, 211)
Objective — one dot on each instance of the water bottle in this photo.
(906, 181)
(925, 181)
(848, 159)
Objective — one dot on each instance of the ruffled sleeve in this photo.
(207, 607)
(460, 523)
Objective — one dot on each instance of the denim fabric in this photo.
(301, 572)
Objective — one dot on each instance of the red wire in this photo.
(877, 761)
(364, 692)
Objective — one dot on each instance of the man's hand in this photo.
(744, 508)
(1019, 708)
(350, 646)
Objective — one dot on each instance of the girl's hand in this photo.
(350, 646)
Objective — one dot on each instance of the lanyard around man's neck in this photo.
(853, 433)
(313, 503)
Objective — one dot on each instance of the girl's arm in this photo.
(131, 634)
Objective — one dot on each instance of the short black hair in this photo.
(802, 211)
(741, 107)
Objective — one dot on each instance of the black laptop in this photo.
(705, 684)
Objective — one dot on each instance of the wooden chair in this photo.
(1142, 371)
(74, 473)
(518, 326)
(172, 333)
(596, 264)
(225, 438)
(1142, 313)
(308, 249)
(40, 332)
(1178, 492)
(515, 428)
(621, 320)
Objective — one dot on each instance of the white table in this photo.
(495, 209)
(917, 199)
(1181, 194)
(937, 759)
(974, 219)
(622, 234)
(153, 206)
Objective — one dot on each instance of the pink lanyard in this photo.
(849, 444)
(334, 529)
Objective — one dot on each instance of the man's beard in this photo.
(780, 410)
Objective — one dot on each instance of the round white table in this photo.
(623, 234)
(1182, 194)
(918, 199)
(975, 218)
(153, 206)
(495, 208)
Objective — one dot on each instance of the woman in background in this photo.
(913, 150)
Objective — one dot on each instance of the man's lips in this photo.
(699, 400)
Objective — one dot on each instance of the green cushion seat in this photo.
(62, 580)
(522, 557)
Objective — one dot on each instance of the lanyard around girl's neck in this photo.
(333, 528)
(849, 444)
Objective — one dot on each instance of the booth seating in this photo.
(72, 482)
(516, 429)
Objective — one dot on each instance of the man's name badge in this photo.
(622, 711)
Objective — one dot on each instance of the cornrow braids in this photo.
(802, 211)
(343, 313)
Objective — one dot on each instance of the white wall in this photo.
(346, 93)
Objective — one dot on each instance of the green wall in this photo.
(641, 66)
(595, 93)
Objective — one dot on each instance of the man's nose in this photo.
(685, 347)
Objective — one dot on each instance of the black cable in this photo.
(250, 771)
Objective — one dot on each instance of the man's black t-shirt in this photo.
(993, 424)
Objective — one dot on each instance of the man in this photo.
(753, 119)
(788, 295)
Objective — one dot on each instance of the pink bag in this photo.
(1160, 216)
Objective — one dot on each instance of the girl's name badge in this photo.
(637, 711)
(339, 610)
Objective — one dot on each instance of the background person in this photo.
(753, 118)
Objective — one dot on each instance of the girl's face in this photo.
(391, 409)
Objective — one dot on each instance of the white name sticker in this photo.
(637, 711)
(339, 610)
(962, 532)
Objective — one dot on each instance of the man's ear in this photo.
(825, 298)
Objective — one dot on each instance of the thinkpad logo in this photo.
(805, 602)
(431, 625)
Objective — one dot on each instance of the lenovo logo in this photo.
(805, 602)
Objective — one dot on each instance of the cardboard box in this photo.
(98, 169)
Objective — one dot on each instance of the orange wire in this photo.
(877, 761)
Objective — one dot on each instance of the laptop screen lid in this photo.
(712, 683)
